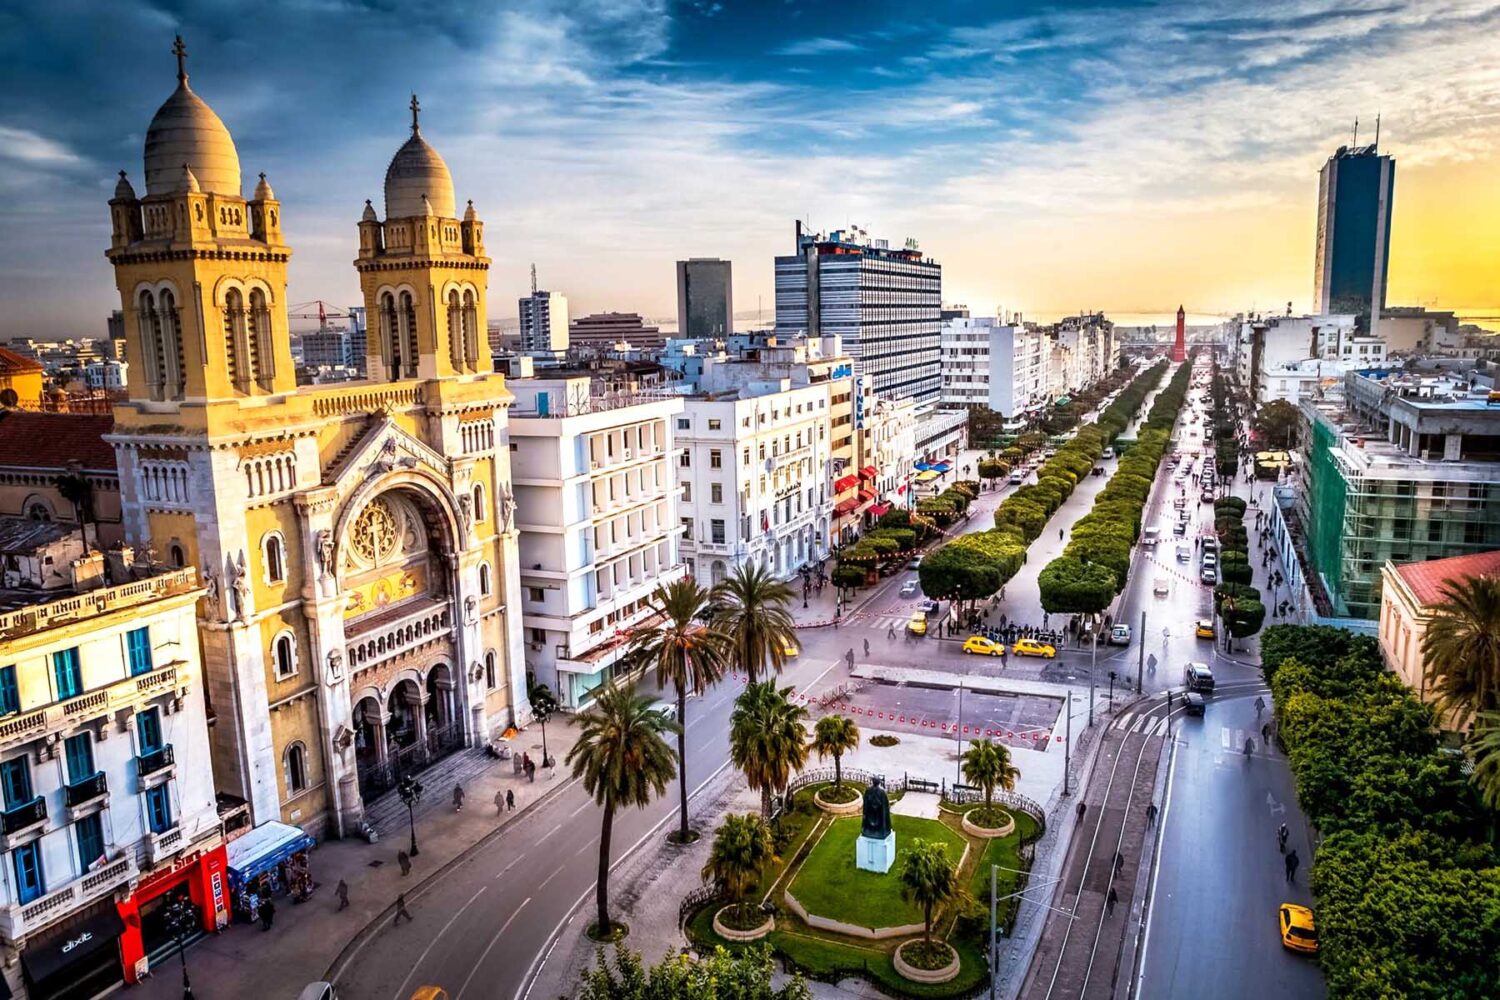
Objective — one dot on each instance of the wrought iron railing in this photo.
(91, 787)
(696, 900)
(26, 814)
(376, 779)
(155, 760)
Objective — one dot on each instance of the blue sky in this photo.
(1124, 156)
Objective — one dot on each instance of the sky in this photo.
(1122, 156)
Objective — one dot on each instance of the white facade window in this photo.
(489, 670)
(484, 579)
(284, 654)
(295, 763)
(273, 552)
(481, 513)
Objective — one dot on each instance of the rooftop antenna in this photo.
(1356, 132)
(533, 278)
(1377, 131)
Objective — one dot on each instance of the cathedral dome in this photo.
(186, 131)
(417, 171)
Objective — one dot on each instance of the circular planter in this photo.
(975, 830)
(849, 808)
(730, 934)
(942, 975)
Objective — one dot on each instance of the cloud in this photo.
(35, 150)
(815, 47)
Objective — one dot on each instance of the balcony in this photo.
(389, 634)
(86, 797)
(17, 921)
(161, 846)
(123, 693)
(23, 823)
(155, 768)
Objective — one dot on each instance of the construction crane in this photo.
(303, 310)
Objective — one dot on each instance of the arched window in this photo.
(177, 556)
(455, 331)
(480, 513)
(408, 321)
(489, 670)
(390, 336)
(295, 763)
(484, 579)
(262, 357)
(235, 365)
(284, 653)
(471, 332)
(170, 326)
(274, 551)
(38, 511)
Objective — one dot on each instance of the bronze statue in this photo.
(877, 819)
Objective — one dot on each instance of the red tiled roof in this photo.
(12, 363)
(52, 440)
(1426, 579)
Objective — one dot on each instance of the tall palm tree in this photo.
(685, 652)
(987, 764)
(741, 849)
(622, 761)
(1461, 648)
(1484, 749)
(929, 879)
(767, 739)
(753, 614)
(833, 736)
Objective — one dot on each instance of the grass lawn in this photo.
(830, 885)
(1005, 852)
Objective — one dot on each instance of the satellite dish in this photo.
(8, 397)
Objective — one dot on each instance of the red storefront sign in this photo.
(201, 874)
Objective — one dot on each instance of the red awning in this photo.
(840, 485)
(868, 472)
(879, 509)
(865, 494)
(845, 506)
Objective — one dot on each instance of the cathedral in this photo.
(357, 541)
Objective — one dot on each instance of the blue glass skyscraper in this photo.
(1355, 189)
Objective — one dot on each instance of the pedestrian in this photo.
(510, 801)
(342, 892)
(1111, 900)
(458, 797)
(1059, 534)
(267, 913)
(531, 772)
(1119, 862)
(404, 860)
(890, 634)
(526, 763)
(1265, 734)
(1292, 861)
(499, 802)
(1151, 814)
(867, 648)
(401, 910)
(1082, 808)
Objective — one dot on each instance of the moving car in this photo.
(1160, 587)
(1119, 635)
(1198, 677)
(909, 588)
(1207, 496)
(1204, 628)
(1151, 536)
(1109, 453)
(1298, 931)
(931, 607)
(790, 649)
(1017, 478)
(1193, 703)
(1180, 528)
(983, 646)
(1030, 647)
(918, 623)
(1184, 553)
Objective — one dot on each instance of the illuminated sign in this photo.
(843, 371)
(859, 401)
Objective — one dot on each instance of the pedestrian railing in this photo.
(696, 900)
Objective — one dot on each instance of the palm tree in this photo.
(754, 616)
(622, 761)
(767, 739)
(1461, 648)
(685, 652)
(987, 764)
(833, 736)
(741, 849)
(1483, 749)
(929, 879)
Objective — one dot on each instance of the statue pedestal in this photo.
(874, 855)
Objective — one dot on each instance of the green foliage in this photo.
(720, 976)
(849, 575)
(1071, 586)
(1315, 645)
(960, 572)
(988, 764)
(767, 739)
(993, 469)
(930, 880)
(1245, 618)
(741, 848)
(1461, 648)
(834, 736)
(1235, 571)
(1276, 424)
(754, 616)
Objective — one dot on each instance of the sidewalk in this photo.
(306, 937)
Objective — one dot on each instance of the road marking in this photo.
(549, 878)
(550, 832)
(401, 992)
(493, 941)
(575, 812)
(513, 862)
(586, 847)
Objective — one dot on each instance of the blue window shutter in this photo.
(10, 694)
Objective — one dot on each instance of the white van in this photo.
(1151, 536)
(1109, 453)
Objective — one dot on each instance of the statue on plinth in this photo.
(875, 850)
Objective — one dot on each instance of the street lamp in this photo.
(410, 790)
(182, 917)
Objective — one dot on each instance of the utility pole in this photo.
(1093, 662)
(1140, 667)
(958, 767)
(994, 933)
(1068, 739)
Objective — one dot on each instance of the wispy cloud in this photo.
(30, 148)
(816, 47)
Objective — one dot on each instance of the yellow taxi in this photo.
(1030, 647)
(1297, 930)
(1204, 628)
(918, 623)
(983, 646)
(790, 649)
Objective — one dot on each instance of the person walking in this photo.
(1292, 861)
(458, 797)
(1110, 901)
(1059, 534)
(1150, 814)
(510, 801)
(531, 771)
(890, 634)
(1119, 862)
(401, 910)
(499, 802)
(1265, 734)
(1260, 704)
(267, 913)
(404, 860)
(867, 649)
(1082, 808)
(341, 891)
(1281, 836)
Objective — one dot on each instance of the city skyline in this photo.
(1031, 152)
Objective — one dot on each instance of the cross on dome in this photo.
(180, 51)
(416, 107)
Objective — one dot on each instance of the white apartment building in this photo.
(544, 322)
(754, 470)
(596, 507)
(106, 374)
(994, 364)
(891, 447)
(109, 805)
(1272, 343)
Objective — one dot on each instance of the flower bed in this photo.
(926, 962)
(743, 923)
(993, 822)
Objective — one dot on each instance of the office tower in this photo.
(544, 321)
(705, 298)
(886, 304)
(601, 331)
(1355, 190)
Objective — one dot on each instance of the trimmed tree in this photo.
(834, 736)
(987, 764)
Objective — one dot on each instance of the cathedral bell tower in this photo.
(422, 270)
(201, 271)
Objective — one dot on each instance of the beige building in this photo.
(1409, 590)
(356, 541)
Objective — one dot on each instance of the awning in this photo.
(879, 509)
(928, 476)
(921, 467)
(869, 472)
(1063, 401)
(867, 494)
(72, 944)
(847, 482)
(262, 849)
(942, 467)
(845, 506)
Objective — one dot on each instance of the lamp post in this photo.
(182, 916)
(410, 790)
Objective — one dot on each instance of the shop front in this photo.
(198, 876)
(271, 860)
(76, 958)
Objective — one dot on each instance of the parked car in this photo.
(910, 588)
(1031, 647)
(1119, 635)
(1298, 930)
(1210, 544)
(1209, 575)
(983, 646)
(1211, 559)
